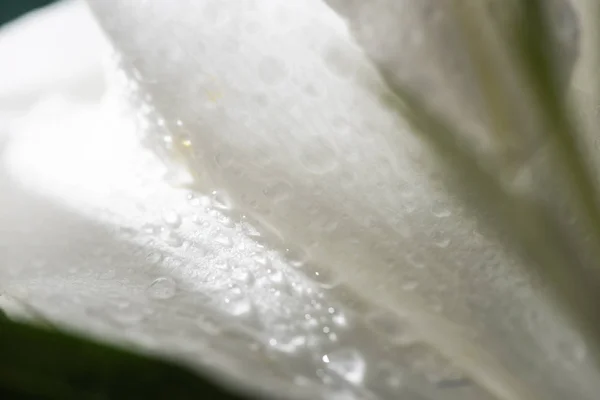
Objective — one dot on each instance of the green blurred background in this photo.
(11, 9)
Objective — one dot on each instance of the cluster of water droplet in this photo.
(283, 308)
(237, 299)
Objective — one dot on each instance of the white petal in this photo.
(282, 113)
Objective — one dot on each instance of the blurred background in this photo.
(12, 9)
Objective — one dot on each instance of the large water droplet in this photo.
(154, 257)
(162, 288)
(225, 221)
(440, 208)
(324, 278)
(296, 258)
(339, 62)
(125, 313)
(396, 329)
(441, 240)
(238, 306)
(108, 274)
(288, 345)
(319, 160)
(220, 200)
(278, 191)
(150, 229)
(348, 363)
(237, 302)
(244, 276)
(194, 200)
(171, 239)
(437, 369)
(223, 159)
(338, 317)
(416, 260)
(223, 239)
(172, 219)
(275, 275)
(208, 325)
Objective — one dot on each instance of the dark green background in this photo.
(11, 9)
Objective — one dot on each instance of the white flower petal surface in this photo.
(309, 253)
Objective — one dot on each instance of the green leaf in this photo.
(42, 363)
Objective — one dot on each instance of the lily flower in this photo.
(317, 199)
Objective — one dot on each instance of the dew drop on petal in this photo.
(347, 363)
(278, 191)
(172, 219)
(162, 288)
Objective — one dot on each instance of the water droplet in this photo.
(125, 313)
(194, 201)
(162, 288)
(289, 345)
(323, 222)
(244, 276)
(223, 159)
(438, 370)
(319, 160)
(347, 363)
(340, 63)
(443, 243)
(172, 262)
(278, 191)
(237, 302)
(150, 229)
(441, 211)
(324, 278)
(275, 275)
(262, 259)
(208, 325)
(396, 329)
(295, 258)
(108, 274)
(238, 305)
(220, 200)
(172, 219)
(171, 239)
(440, 208)
(154, 257)
(415, 260)
(228, 223)
(391, 375)
(339, 319)
(223, 239)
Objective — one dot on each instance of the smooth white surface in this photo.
(55, 50)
